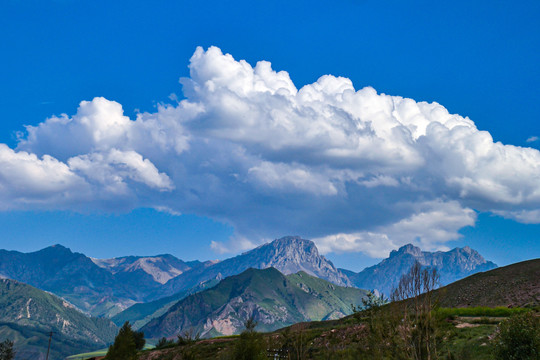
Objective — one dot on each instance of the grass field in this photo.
(101, 352)
(89, 355)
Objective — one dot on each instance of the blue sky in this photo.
(477, 59)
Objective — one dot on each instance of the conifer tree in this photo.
(126, 344)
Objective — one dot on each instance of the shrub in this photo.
(6, 350)
(164, 343)
(518, 338)
(250, 345)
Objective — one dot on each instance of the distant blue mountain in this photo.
(99, 287)
(452, 265)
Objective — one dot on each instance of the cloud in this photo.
(355, 169)
(532, 139)
(433, 224)
(27, 181)
(112, 168)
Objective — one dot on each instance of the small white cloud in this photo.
(234, 245)
(165, 209)
(532, 139)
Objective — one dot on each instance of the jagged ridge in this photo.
(452, 265)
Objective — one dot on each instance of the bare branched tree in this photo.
(415, 293)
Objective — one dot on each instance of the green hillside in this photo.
(27, 315)
(516, 285)
(275, 300)
(463, 332)
(140, 314)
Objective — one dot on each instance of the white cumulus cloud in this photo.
(354, 169)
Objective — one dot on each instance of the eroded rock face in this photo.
(452, 266)
(292, 254)
(160, 268)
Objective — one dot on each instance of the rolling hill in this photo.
(140, 314)
(516, 285)
(273, 299)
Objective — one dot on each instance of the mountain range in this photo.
(160, 268)
(288, 255)
(98, 287)
(163, 295)
(106, 287)
(140, 314)
(451, 265)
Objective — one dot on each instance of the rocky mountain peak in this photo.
(407, 249)
(452, 265)
(57, 249)
(291, 254)
(290, 246)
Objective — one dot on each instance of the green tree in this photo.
(518, 338)
(6, 350)
(126, 344)
(251, 344)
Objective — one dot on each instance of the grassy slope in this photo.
(515, 285)
(275, 299)
(140, 314)
(336, 340)
(27, 315)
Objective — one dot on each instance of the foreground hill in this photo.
(452, 265)
(28, 314)
(468, 335)
(275, 300)
(516, 285)
(288, 255)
